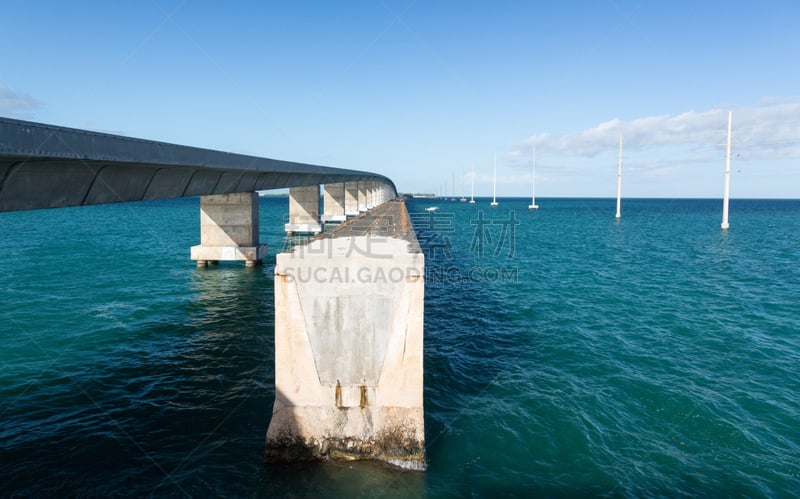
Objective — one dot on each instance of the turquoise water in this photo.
(566, 353)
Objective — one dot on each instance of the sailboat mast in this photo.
(494, 180)
(619, 180)
(533, 205)
(494, 183)
(472, 194)
(727, 193)
(533, 178)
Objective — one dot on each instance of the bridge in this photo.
(348, 341)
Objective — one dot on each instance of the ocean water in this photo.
(566, 354)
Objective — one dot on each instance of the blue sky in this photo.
(424, 91)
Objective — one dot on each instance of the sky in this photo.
(426, 92)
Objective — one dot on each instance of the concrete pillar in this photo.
(371, 195)
(229, 229)
(362, 196)
(351, 199)
(304, 210)
(348, 352)
(376, 194)
(381, 192)
(333, 200)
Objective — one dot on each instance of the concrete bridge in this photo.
(349, 304)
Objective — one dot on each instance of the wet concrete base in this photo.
(393, 435)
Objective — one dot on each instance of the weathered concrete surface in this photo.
(362, 197)
(371, 197)
(47, 166)
(229, 229)
(333, 199)
(304, 210)
(351, 199)
(348, 345)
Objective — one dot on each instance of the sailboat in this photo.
(472, 196)
(494, 184)
(533, 205)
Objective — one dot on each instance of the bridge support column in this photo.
(229, 230)
(362, 196)
(383, 193)
(333, 199)
(304, 210)
(348, 352)
(351, 199)
(371, 195)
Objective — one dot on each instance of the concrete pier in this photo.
(362, 197)
(351, 199)
(333, 201)
(304, 210)
(348, 345)
(229, 230)
(383, 193)
(371, 197)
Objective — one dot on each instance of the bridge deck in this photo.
(47, 166)
(387, 220)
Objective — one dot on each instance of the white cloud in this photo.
(11, 101)
(768, 130)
